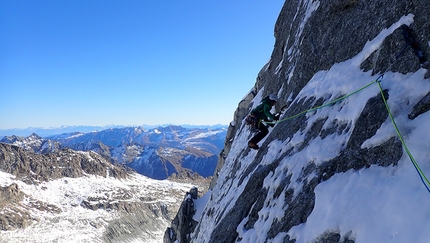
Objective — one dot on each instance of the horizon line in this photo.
(113, 125)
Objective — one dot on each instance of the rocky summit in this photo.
(348, 161)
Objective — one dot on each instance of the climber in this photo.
(262, 113)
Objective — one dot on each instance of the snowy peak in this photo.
(33, 143)
(210, 140)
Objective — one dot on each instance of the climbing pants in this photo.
(263, 132)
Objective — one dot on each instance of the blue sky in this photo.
(130, 62)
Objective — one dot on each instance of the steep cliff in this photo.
(335, 167)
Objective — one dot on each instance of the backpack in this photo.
(252, 122)
(259, 110)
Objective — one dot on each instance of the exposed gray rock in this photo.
(13, 217)
(10, 194)
(241, 112)
(183, 224)
(139, 220)
(33, 168)
(421, 107)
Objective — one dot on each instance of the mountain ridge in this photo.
(50, 131)
(157, 152)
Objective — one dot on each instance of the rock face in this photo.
(141, 220)
(312, 37)
(183, 224)
(15, 217)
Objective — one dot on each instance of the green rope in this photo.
(325, 105)
(423, 177)
(417, 167)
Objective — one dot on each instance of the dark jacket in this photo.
(262, 111)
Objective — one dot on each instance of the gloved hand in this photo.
(276, 118)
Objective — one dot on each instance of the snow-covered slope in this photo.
(340, 171)
(68, 217)
(73, 196)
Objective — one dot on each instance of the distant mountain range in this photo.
(49, 131)
(157, 153)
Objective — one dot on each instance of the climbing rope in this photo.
(423, 177)
(325, 105)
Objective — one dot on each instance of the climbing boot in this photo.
(253, 145)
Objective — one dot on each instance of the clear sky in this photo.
(102, 62)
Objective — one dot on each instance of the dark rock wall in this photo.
(183, 224)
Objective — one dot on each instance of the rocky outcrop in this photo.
(13, 217)
(242, 111)
(421, 107)
(139, 220)
(10, 194)
(183, 224)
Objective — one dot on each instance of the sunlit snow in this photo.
(77, 222)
